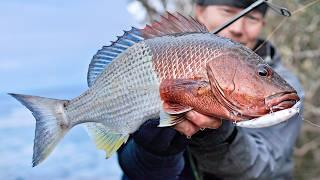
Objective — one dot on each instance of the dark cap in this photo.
(235, 3)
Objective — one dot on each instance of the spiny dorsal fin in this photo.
(172, 24)
(168, 24)
(105, 55)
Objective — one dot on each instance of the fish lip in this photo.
(281, 101)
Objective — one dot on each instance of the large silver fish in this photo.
(162, 71)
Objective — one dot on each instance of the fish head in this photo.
(248, 87)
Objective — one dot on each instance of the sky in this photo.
(45, 49)
(46, 46)
(50, 43)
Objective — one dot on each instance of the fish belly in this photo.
(124, 96)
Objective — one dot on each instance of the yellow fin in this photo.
(105, 139)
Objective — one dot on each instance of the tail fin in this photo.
(51, 123)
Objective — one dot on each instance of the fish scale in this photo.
(126, 105)
(185, 56)
(114, 101)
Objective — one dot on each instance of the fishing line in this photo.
(277, 27)
(270, 35)
(307, 121)
(280, 24)
(305, 6)
(311, 123)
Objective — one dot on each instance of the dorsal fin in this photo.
(105, 55)
(172, 24)
(168, 24)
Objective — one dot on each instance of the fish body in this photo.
(123, 96)
(161, 71)
(126, 94)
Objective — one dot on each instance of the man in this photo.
(217, 149)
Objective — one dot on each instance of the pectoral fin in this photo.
(173, 109)
(169, 119)
(179, 97)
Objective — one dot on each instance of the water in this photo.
(45, 49)
(75, 157)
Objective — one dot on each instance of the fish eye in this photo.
(264, 70)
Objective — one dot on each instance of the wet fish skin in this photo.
(123, 96)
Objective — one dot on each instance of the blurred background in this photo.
(45, 49)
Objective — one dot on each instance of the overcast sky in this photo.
(49, 44)
(45, 49)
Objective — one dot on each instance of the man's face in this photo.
(245, 30)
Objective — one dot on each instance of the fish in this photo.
(161, 71)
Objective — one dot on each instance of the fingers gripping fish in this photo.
(161, 71)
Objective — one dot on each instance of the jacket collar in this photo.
(267, 52)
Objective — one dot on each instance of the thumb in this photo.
(203, 121)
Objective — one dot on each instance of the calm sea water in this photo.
(75, 157)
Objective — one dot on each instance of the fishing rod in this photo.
(280, 10)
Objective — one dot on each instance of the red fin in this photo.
(173, 109)
(171, 24)
(177, 91)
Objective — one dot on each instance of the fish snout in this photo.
(280, 101)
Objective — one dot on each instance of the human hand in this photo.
(195, 122)
(166, 140)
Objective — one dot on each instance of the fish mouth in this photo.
(280, 101)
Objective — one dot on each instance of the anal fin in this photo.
(105, 139)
